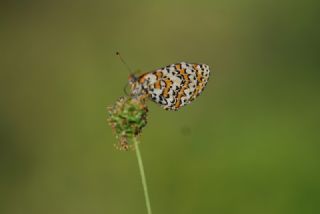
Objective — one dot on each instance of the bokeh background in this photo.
(248, 144)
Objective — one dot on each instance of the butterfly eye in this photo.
(132, 79)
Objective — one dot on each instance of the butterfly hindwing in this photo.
(175, 85)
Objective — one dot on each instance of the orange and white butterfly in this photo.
(173, 86)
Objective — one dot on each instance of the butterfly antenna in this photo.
(127, 66)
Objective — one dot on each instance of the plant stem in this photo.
(143, 177)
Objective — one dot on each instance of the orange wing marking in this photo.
(166, 90)
(159, 75)
(184, 87)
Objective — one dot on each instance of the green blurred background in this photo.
(248, 144)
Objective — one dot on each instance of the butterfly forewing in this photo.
(175, 85)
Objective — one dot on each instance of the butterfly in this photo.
(173, 86)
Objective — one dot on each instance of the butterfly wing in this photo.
(175, 85)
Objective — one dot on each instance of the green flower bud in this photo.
(127, 117)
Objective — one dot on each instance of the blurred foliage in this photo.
(248, 144)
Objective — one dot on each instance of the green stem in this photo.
(143, 176)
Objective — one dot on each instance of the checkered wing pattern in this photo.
(175, 85)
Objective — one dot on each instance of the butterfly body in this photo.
(173, 86)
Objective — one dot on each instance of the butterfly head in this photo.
(135, 86)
